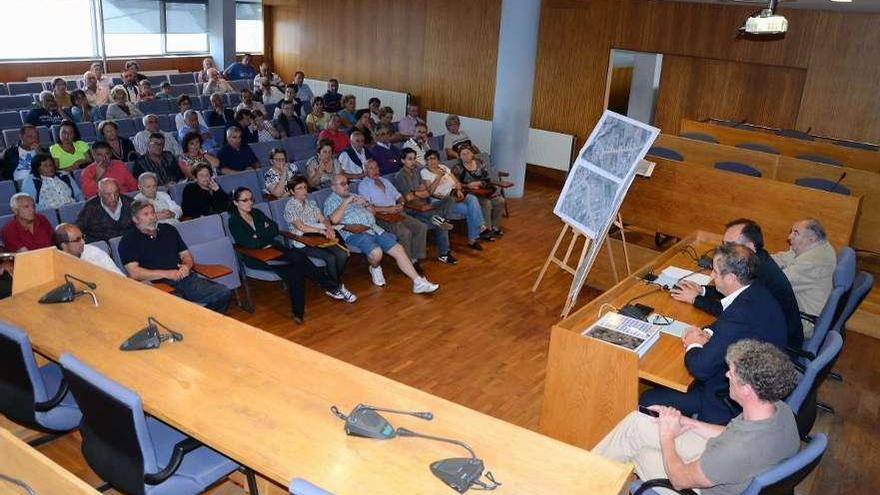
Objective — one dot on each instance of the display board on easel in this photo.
(596, 186)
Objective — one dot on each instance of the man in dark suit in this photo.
(748, 312)
(748, 233)
(219, 115)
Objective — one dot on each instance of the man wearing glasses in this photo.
(68, 238)
(141, 140)
(158, 161)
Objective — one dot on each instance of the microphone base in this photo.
(459, 473)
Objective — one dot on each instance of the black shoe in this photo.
(298, 320)
(497, 233)
(487, 235)
(475, 246)
(418, 267)
(447, 258)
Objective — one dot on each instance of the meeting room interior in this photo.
(350, 247)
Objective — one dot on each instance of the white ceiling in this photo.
(852, 7)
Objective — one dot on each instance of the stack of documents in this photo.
(671, 275)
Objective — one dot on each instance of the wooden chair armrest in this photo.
(504, 184)
(418, 205)
(355, 228)
(260, 254)
(503, 173)
(389, 217)
(163, 287)
(481, 191)
(314, 240)
(211, 270)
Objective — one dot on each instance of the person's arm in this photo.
(173, 207)
(710, 302)
(277, 190)
(88, 182)
(336, 215)
(313, 175)
(680, 474)
(128, 182)
(310, 122)
(146, 275)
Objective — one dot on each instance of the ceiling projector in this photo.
(766, 22)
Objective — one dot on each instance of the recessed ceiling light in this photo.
(842, 1)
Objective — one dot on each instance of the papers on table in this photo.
(671, 275)
(668, 325)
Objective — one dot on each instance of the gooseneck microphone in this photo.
(66, 292)
(839, 180)
(365, 421)
(427, 416)
(459, 473)
(403, 432)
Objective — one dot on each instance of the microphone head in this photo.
(424, 415)
(62, 294)
(403, 432)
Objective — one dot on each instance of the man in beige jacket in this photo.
(809, 266)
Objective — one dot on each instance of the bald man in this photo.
(68, 238)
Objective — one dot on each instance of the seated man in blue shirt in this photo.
(360, 231)
(236, 156)
(48, 113)
(191, 119)
(241, 70)
(154, 251)
(332, 98)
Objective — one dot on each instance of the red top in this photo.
(116, 170)
(15, 236)
(340, 140)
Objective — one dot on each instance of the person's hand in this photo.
(475, 184)
(685, 291)
(694, 335)
(183, 271)
(329, 232)
(397, 208)
(423, 194)
(213, 185)
(669, 422)
(165, 214)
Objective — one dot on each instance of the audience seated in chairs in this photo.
(317, 119)
(141, 140)
(748, 233)
(454, 138)
(251, 228)
(155, 252)
(354, 158)
(695, 454)
(105, 166)
(235, 155)
(184, 104)
(386, 118)
(68, 238)
(240, 70)
(248, 102)
(266, 74)
(448, 197)
(204, 196)
(475, 176)
(121, 147)
(809, 266)
(331, 98)
(407, 125)
(28, 229)
(364, 125)
(193, 125)
(219, 115)
(17, 157)
(48, 113)
(83, 110)
(288, 122)
(386, 156)
(304, 217)
(70, 151)
(348, 113)
(194, 155)
(359, 230)
(264, 129)
(107, 215)
(122, 107)
(167, 210)
(244, 122)
(97, 94)
(49, 188)
(268, 93)
(332, 132)
(279, 173)
(159, 162)
(749, 312)
(321, 168)
(216, 85)
(419, 142)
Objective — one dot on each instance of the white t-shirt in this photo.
(446, 184)
(99, 257)
(23, 170)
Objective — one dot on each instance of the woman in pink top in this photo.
(105, 166)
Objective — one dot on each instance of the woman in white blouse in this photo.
(167, 211)
(49, 188)
(279, 174)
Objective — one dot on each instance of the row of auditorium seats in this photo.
(789, 133)
(28, 87)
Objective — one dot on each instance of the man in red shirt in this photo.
(28, 230)
(105, 166)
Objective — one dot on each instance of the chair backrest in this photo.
(24, 88)
(87, 131)
(233, 99)
(114, 253)
(11, 136)
(102, 245)
(166, 123)
(156, 80)
(320, 196)
(21, 385)
(862, 285)
(802, 399)
(7, 190)
(794, 133)
(302, 487)
(857, 145)
(699, 136)
(16, 102)
(248, 178)
(299, 147)
(51, 215)
(758, 147)
(842, 281)
(819, 158)
(218, 132)
(68, 213)
(261, 150)
(823, 185)
(276, 207)
(115, 440)
(126, 127)
(182, 78)
(739, 168)
(667, 153)
(436, 142)
(783, 477)
(184, 88)
(158, 107)
(219, 252)
(176, 192)
(10, 120)
(202, 229)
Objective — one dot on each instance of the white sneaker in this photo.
(378, 276)
(349, 297)
(422, 286)
(335, 294)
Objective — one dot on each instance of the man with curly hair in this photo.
(720, 460)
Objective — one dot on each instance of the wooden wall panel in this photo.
(841, 96)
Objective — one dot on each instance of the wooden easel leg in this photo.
(550, 257)
(611, 259)
(572, 295)
(625, 250)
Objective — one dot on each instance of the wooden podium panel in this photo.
(591, 385)
(265, 401)
(21, 461)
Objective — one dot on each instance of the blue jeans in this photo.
(194, 288)
(441, 237)
(472, 212)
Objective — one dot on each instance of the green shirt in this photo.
(261, 235)
(65, 159)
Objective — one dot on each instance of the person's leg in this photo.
(418, 237)
(441, 237)
(319, 275)
(403, 262)
(486, 209)
(404, 235)
(200, 290)
(294, 275)
(688, 403)
(497, 211)
(328, 257)
(470, 209)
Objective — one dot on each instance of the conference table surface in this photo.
(265, 401)
(24, 463)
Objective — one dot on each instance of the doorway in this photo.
(633, 82)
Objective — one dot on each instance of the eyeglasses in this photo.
(245, 200)
(71, 241)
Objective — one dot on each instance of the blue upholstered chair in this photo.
(69, 212)
(134, 453)
(16, 102)
(187, 88)
(126, 127)
(781, 478)
(182, 78)
(176, 192)
(667, 153)
(302, 487)
(300, 147)
(36, 397)
(699, 136)
(861, 286)
(158, 107)
(842, 282)
(24, 88)
(820, 159)
(823, 185)
(201, 229)
(219, 252)
(803, 399)
(857, 145)
(738, 168)
(10, 120)
(7, 190)
(262, 150)
(247, 178)
(796, 134)
(758, 147)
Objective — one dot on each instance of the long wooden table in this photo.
(265, 401)
(591, 385)
(22, 462)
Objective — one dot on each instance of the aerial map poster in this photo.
(602, 172)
